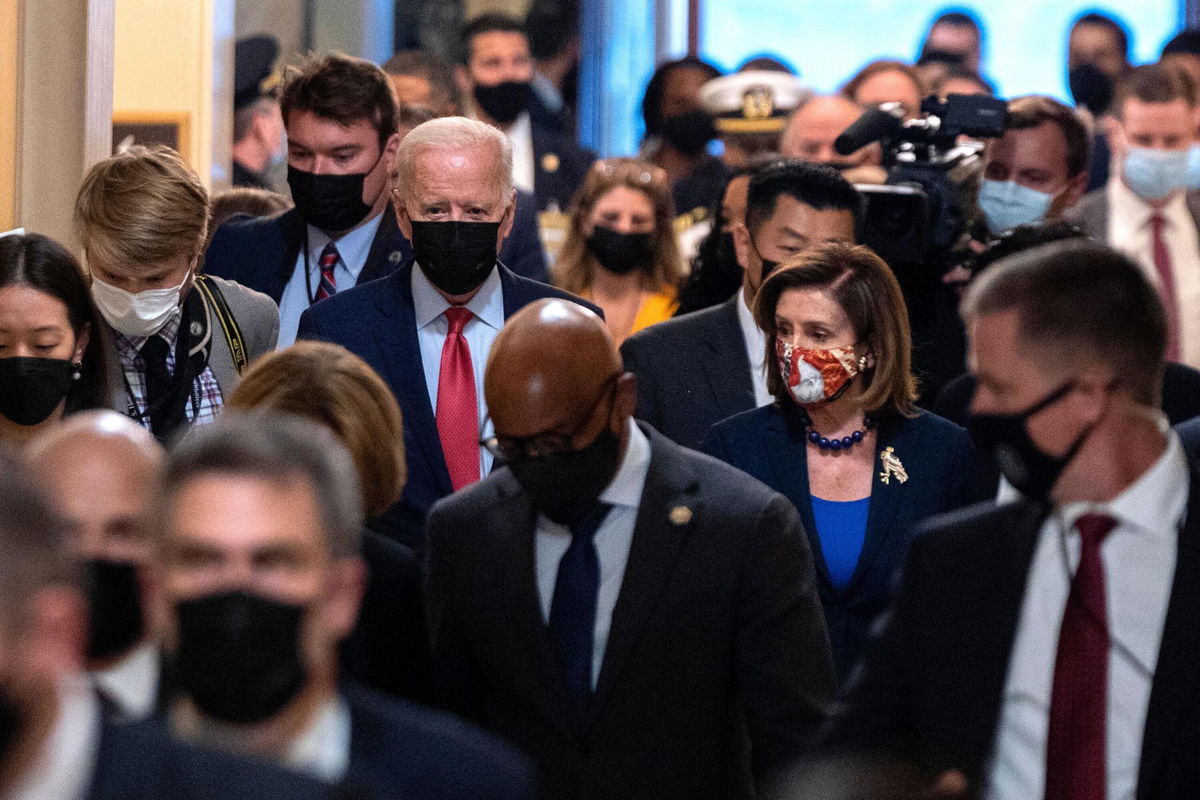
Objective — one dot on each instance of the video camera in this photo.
(914, 220)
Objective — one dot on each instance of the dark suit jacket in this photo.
(140, 761)
(375, 321)
(692, 372)
(559, 167)
(261, 252)
(1189, 434)
(769, 444)
(399, 750)
(717, 665)
(388, 649)
(933, 681)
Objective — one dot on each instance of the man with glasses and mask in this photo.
(257, 577)
(178, 340)
(428, 328)
(340, 116)
(1046, 647)
(696, 370)
(640, 619)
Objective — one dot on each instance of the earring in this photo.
(76, 370)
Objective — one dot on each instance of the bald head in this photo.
(99, 467)
(814, 126)
(548, 368)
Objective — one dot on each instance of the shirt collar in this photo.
(133, 681)
(1151, 500)
(487, 304)
(521, 128)
(756, 340)
(1126, 204)
(353, 247)
(133, 344)
(323, 748)
(625, 489)
(65, 763)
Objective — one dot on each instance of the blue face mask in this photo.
(1007, 204)
(1154, 174)
(1193, 171)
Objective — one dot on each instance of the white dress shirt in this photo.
(1139, 568)
(1129, 231)
(353, 249)
(322, 749)
(64, 766)
(613, 539)
(132, 683)
(520, 133)
(480, 331)
(756, 351)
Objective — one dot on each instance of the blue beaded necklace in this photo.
(844, 443)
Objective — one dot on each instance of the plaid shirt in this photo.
(205, 402)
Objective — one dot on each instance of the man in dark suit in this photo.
(696, 370)
(641, 619)
(55, 742)
(1047, 647)
(258, 576)
(498, 77)
(454, 201)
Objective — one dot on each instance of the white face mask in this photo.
(137, 315)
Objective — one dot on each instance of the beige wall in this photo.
(164, 66)
(517, 8)
(10, 48)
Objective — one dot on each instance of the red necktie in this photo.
(1166, 283)
(1075, 744)
(328, 260)
(457, 406)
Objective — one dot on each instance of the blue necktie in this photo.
(573, 611)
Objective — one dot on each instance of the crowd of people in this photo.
(479, 467)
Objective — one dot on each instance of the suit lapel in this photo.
(728, 367)
(396, 337)
(788, 453)
(658, 536)
(389, 249)
(1177, 670)
(292, 229)
(885, 501)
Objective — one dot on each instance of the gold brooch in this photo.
(892, 466)
(681, 515)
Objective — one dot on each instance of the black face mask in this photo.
(768, 266)
(1006, 436)
(689, 133)
(331, 203)
(621, 253)
(1090, 88)
(31, 388)
(455, 256)
(238, 655)
(114, 607)
(504, 101)
(565, 486)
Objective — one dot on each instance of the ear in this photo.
(1074, 191)
(402, 218)
(157, 606)
(462, 77)
(343, 596)
(1093, 392)
(81, 342)
(625, 400)
(506, 222)
(1115, 136)
(741, 244)
(58, 628)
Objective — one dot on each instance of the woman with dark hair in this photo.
(843, 439)
(51, 358)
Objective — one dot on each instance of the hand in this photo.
(950, 784)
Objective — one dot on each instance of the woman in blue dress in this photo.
(843, 439)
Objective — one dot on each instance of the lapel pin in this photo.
(550, 162)
(196, 329)
(396, 257)
(681, 515)
(892, 466)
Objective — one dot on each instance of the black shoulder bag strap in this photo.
(229, 326)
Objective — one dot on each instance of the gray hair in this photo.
(275, 447)
(455, 134)
(35, 543)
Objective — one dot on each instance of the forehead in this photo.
(23, 308)
(96, 478)
(238, 512)
(1157, 116)
(624, 198)
(453, 173)
(1042, 146)
(825, 117)
(888, 84)
(685, 81)
(815, 223)
(412, 89)
(947, 34)
(499, 43)
(811, 305)
(321, 133)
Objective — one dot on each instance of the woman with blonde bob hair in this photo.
(843, 439)
(620, 251)
(328, 384)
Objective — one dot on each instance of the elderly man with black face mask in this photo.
(256, 577)
(428, 328)
(642, 620)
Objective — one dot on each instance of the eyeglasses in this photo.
(541, 445)
(631, 169)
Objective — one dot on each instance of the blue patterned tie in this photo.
(328, 260)
(573, 611)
